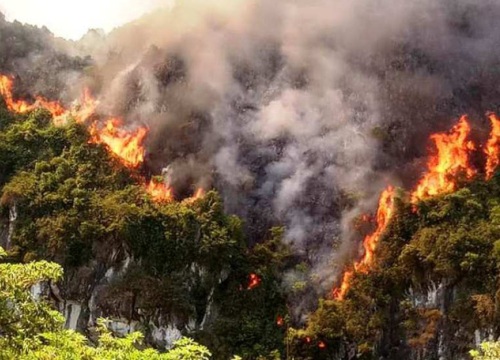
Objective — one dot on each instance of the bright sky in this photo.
(71, 19)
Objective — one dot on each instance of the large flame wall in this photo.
(449, 160)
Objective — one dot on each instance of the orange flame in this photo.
(384, 214)
(81, 113)
(125, 144)
(159, 191)
(199, 194)
(321, 345)
(6, 85)
(86, 108)
(255, 281)
(451, 159)
(279, 321)
(492, 149)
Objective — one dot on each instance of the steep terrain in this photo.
(428, 291)
(165, 268)
(212, 170)
(432, 291)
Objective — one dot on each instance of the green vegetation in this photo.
(30, 329)
(487, 351)
(450, 242)
(80, 210)
(77, 206)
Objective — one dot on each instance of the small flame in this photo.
(159, 191)
(384, 214)
(307, 340)
(279, 321)
(492, 149)
(199, 194)
(255, 281)
(127, 145)
(451, 159)
(322, 345)
(339, 293)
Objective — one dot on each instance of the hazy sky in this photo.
(71, 19)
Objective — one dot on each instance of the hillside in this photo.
(165, 268)
(433, 290)
(169, 268)
(299, 180)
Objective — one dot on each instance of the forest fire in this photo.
(6, 85)
(127, 145)
(80, 112)
(199, 194)
(451, 159)
(255, 281)
(492, 148)
(279, 321)
(159, 191)
(384, 214)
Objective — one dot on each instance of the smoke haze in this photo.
(297, 112)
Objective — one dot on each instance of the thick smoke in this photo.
(44, 64)
(298, 112)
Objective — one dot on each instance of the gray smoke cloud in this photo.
(298, 112)
(44, 64)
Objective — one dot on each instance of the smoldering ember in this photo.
(250, 179)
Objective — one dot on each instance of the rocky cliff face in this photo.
(439, 297)
(83, 298)
(450, 338)
(7, 227)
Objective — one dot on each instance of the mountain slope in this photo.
(433, 291)
(166, 268)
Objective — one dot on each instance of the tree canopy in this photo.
(447, 245)
(31, 329)
(78, 206)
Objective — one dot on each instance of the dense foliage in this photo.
(437, 267)
(31, 329)
(78, 206)
(487, 351)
